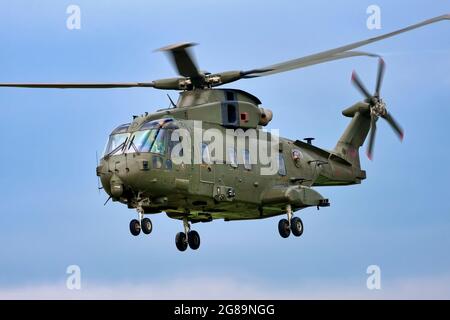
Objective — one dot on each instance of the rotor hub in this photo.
(378, 108)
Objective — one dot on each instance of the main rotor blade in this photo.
(380, 76)
(79, 85)
(302, 63)
(373, 131)
(182, 59)
(395, 126)
(358, 84)
(328, 55)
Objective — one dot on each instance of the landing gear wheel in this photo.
(283, 228)
(135, 227)
(194, 240)
(180, 241)
(146, 225)
(297, 226)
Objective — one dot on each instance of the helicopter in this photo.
(151, 165)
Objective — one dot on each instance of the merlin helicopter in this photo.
(140, 169)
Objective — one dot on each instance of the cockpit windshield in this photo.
(153, 140)
(117, 140)
(151, 137)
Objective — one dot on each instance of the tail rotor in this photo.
(377, 107)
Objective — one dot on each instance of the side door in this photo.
(207, 168)
(247, 178)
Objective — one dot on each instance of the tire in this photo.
(146, 226)
(283, 228)
(297, 226)
(180, 241)
(135, 227)
(193, 240)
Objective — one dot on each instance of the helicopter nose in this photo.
(105, 180)
(116, 186)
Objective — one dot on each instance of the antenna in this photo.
(171, 101)
(109, 198)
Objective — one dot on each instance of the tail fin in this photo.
(355, 134)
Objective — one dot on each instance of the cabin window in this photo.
(297, 156)
(230, 96)
(172, 145)
(232, 157)
(169, 164)
(247, 162)
(281, 165)
(157, 162)
(231, 112)
(206, 156)
(230, 116)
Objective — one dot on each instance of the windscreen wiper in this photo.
(134, 146)
(119, 147)
(154, 139)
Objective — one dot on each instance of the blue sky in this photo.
(52, 216)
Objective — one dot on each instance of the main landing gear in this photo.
(144, 224)
(187, 238)
(294, 224)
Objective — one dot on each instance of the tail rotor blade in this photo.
(395, 126)
(360, 86)
(380, 76)
(373, 131)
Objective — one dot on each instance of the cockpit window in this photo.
(153, 140)
(142, 140)
(117, 140)
(115, 144)
(151, 137)
(159, 143)
(154, 124)
(121, 129)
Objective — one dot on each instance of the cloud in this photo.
(228, 288)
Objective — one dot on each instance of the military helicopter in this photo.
(138, 168)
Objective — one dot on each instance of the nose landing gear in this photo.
(135, 227)
(144, 224)
(294, 224)
(187, 238)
